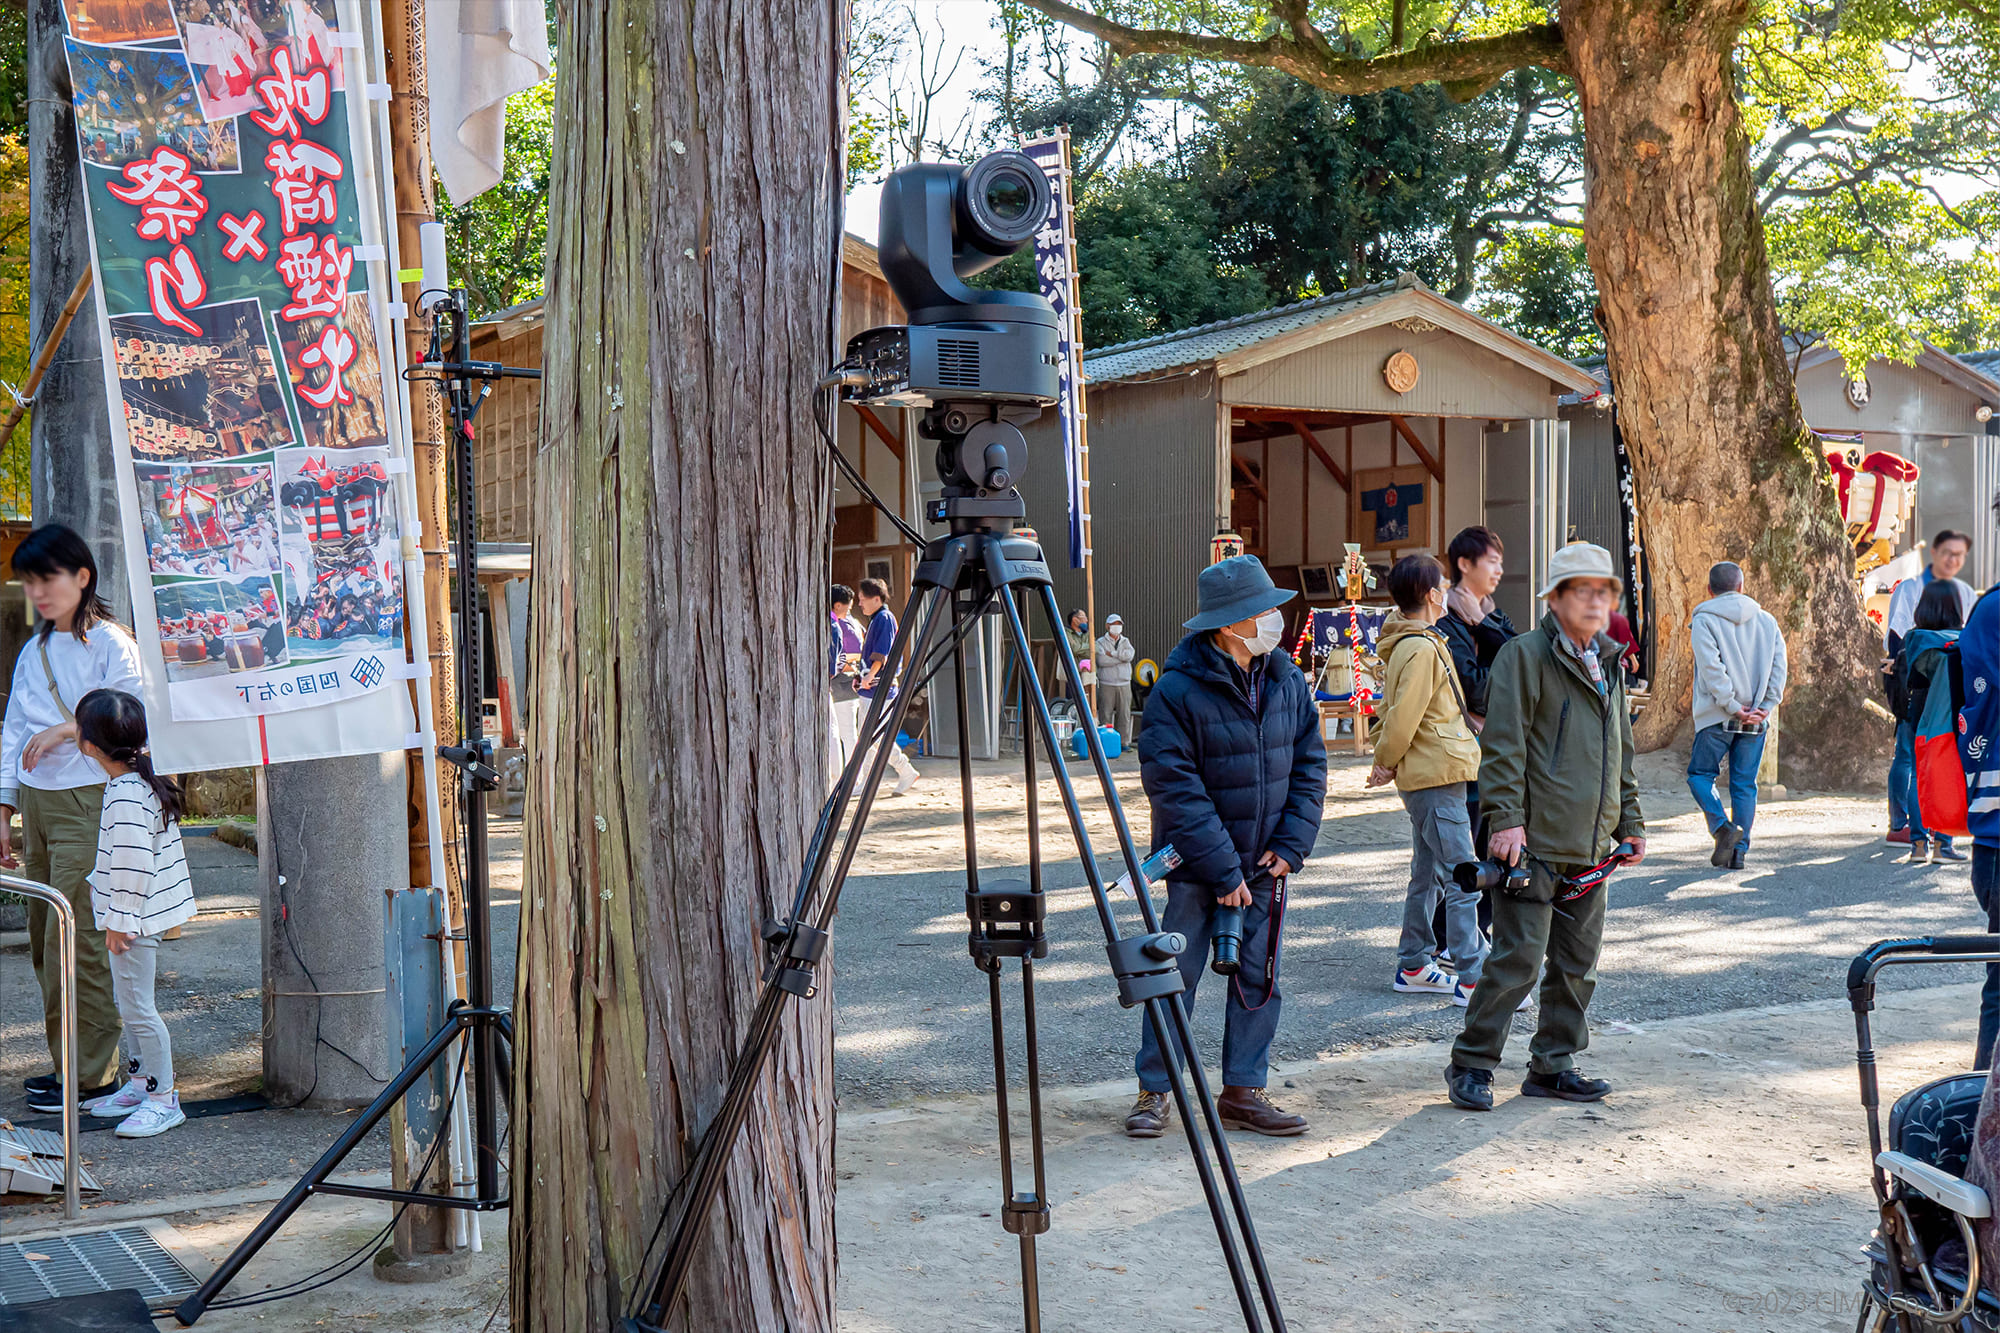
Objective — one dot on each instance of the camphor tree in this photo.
(677, 719)
(1723, 461)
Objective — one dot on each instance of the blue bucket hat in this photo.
(1235, 589)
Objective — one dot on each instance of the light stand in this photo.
(983, 564)
(475, 1017)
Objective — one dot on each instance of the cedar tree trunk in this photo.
(678, 724)
(1724, 466)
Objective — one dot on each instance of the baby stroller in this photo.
(1924, 1265)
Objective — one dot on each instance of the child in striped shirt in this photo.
(138, 891)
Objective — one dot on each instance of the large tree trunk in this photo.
(1724, 466)
(675, 757)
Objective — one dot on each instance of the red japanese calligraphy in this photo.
(334, 350)
(302, 177)
(245, 236)
(316, 268)
(173, 286)
(292, 96)
(167, 194)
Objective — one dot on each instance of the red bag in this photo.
(1940, 771)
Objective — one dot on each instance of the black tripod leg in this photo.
(1177, 1015)
(1018, 630)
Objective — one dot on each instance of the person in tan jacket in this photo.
(1426, 747)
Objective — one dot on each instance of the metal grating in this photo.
(91, 1261)
(958, 363)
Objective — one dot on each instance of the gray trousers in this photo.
(1115, 703)
(146, 1042)
(1440, 838)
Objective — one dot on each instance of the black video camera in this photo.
(1484, 876)
(1226, 939)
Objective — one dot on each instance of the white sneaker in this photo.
(1429, 978)
(1461, 995)
(908, 782)
(120, 1103)
(157, 1116)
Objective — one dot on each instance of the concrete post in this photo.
(331, 843)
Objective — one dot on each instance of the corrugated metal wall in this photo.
(1153, 450)
(1457, 378)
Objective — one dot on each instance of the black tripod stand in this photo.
(982, 566)
(490, 1029)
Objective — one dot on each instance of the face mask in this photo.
(1270, 628)
(1116, 631)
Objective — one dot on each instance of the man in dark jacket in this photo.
(1557, 788)
(1235, 770)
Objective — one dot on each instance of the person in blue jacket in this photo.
(1979, 750)
(1235, 771)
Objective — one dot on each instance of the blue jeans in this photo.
(1254, 1001)
(1986, 888)
(1903, 783)
(1745, 752)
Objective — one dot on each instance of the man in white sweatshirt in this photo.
(1739, 680)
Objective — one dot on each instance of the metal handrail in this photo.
(66, 941)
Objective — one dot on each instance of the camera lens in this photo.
(1003, 199)
(1009, 196)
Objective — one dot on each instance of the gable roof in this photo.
(1965, 372)
(1233, 345)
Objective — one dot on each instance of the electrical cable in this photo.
(821, 396)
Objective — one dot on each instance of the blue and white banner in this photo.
(1055, 266)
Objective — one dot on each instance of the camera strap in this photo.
(1275, 925)
(1571, 887)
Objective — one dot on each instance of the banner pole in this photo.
(433, 837)
(48, 352)
(1082, 416)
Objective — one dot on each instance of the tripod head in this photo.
(980, 458)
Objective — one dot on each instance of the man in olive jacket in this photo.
(1556, 786)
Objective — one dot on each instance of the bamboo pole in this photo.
(425, 1229)
(47, 355)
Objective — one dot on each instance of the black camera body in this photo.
(1483, 876)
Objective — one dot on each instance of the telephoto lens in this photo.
(1227, 941)
(1480, 876)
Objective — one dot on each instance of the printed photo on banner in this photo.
(208, 518)
(341, 551)
(190, 398)
(218, 626)
(131, 101)
(335, 369)
(114, 21)
(234, 43)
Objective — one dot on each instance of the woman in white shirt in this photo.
(59, 792)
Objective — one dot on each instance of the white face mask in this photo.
(1270, 629)
(1115, 630)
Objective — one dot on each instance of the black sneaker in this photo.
(1568, 1086)
(1736, 858)
(1726, 839)
(1470, 1089)
(49, 1102)
(42, 1083)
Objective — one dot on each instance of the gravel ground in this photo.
(1681, 939)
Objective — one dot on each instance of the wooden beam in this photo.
(1242, 467)
(1410, 437)
(1319, 451)
(874, 423)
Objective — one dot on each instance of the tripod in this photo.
(475, 1017)
(982, 565)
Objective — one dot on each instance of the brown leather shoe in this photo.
(1149, 1117)
(1253, 1109)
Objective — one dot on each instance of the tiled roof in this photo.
(1986, 363)
(1210, 342)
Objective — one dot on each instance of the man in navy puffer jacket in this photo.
(1235, 770)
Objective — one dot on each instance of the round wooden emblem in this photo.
(1400, 372)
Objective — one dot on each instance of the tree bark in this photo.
(678, 717)
(1722, 461)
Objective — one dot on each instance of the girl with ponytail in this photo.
(138, 891)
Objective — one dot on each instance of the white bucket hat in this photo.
(1580, 560)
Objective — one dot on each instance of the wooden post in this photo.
(1082, 423)
(424, 1230)
(48, 352)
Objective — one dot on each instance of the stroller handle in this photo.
(1920, 949)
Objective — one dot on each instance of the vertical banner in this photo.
(1055, 267)
(236, 224)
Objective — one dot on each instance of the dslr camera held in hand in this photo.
(1483, 876)
(1226, 939)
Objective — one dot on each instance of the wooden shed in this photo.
(1386, 415)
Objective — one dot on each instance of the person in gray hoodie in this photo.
(1739, 680)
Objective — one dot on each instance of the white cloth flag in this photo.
(478, 53)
